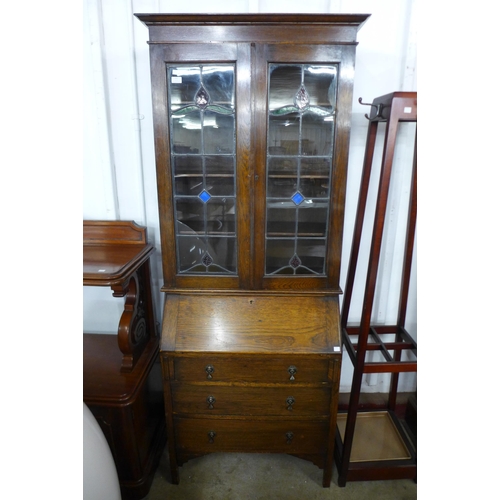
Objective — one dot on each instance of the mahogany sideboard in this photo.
(121, 373)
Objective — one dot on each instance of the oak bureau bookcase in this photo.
(251, 123)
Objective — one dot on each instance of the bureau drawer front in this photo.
(206, 435)
(252, 369)
(240, 400)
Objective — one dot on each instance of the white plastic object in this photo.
(100, 479)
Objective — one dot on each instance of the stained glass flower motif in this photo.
(301, 99)
(301, 103)
(202, 98)
(202, 101)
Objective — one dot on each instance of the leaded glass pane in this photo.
(321, 81)
(283, 167)
(221, 186)
(284, 131)
(285, 81)
(281, 221)
(278, 254)
(219, 165)
(314, 187)
(206, 255)
(312, 220)
(187, 165)
(281, 187)
(188, 175)
(191, 249)
(219, 83)
(220, 178)
(203, 134)
(221, 216)
(184, 83)
(190, 215)
(186, 133)
(218, 133)
(299, 167)
(315, 167)
(187, 184)
(224, 254)
(312, 253)
(317, 132)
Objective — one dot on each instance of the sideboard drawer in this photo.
(206, 435)
(257, 369)
(244, 400)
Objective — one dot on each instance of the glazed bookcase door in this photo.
(202, 163)
(301, 165)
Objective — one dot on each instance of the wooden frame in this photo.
(316, 38)
(253, 319)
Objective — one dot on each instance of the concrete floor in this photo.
(239, 476)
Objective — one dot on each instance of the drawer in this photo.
(244, 400)
(257, 369)
(207, 435)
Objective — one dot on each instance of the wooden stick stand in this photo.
(374, 445)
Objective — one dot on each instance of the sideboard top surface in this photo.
(105, 263)
(112, 251)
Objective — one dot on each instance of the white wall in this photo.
(119, 171)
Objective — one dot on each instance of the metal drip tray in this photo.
(376, 437)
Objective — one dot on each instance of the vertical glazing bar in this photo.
(203, 166)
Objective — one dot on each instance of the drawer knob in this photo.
(209, 369)
(211, 436)
(210, 401)
(292, 370)
(289, 437)
(290, 400)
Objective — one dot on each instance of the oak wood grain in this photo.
(254, 324)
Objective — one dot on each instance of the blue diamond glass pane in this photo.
(297, 198)
(204, 196)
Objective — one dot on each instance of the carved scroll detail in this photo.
(132, 330)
